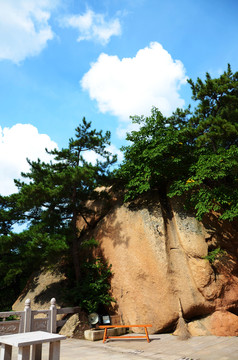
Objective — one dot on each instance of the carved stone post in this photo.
(53, 313)
(27, 322)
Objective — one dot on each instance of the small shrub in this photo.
(93, 290)
(215, 255)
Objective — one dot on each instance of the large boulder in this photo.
(157, 254)
(75, 326)
(220, 323)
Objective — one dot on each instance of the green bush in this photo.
(214, 255)
(93, 290)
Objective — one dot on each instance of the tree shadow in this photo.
(223, 234)
(107, 226)
(31, 285)
(54, 290)
(112, 227)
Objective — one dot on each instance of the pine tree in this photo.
(55, 194)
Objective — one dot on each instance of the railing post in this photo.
(53, 313)
(27, 322)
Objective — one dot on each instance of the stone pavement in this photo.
(161, 347)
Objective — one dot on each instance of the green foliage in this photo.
(93, 291)
(89, 244)
(49, 202)
(215, 254)
(214, 128)
(193, 154)
(159, 153)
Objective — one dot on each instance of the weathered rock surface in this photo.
(75, 326)
(40, 289)
(224, 323)
(157, 254)
(220, 323)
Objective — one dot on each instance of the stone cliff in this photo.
(157, 254)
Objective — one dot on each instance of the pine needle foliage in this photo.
(49, 200)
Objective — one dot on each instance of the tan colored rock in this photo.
(129, 245)
(200, 327)
(157, 254)
(204, 278)
(220, 323)
(68, 329)
(224, 323)
(75, 326)
(40, 289)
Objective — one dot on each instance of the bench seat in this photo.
(105, 327)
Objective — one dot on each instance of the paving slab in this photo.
(161, 347)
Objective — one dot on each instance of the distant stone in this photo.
(75, 326)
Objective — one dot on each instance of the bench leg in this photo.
(54, 353)
(6, 352)
(23, 353)
(147, 336)
(105, 335)
(36, 351)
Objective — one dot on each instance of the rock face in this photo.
(40, 289)
(157, 254)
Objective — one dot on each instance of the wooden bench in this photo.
(105, 327)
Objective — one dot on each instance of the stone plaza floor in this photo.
(161, 347)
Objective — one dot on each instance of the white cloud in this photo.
(91, 156)
(131, 86)
(115, 151)
(92, 26)
(122, 130)
(24, 28)
(16, 144)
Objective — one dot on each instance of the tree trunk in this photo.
(75, 249)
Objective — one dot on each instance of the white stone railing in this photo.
(32, 320)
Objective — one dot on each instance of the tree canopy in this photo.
(191, 153)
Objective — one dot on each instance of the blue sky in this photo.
(61, 60)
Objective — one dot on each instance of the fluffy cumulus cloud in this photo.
(92, 26)
(16, 144)
(92, 157)
(131, 86)
(24, 28)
